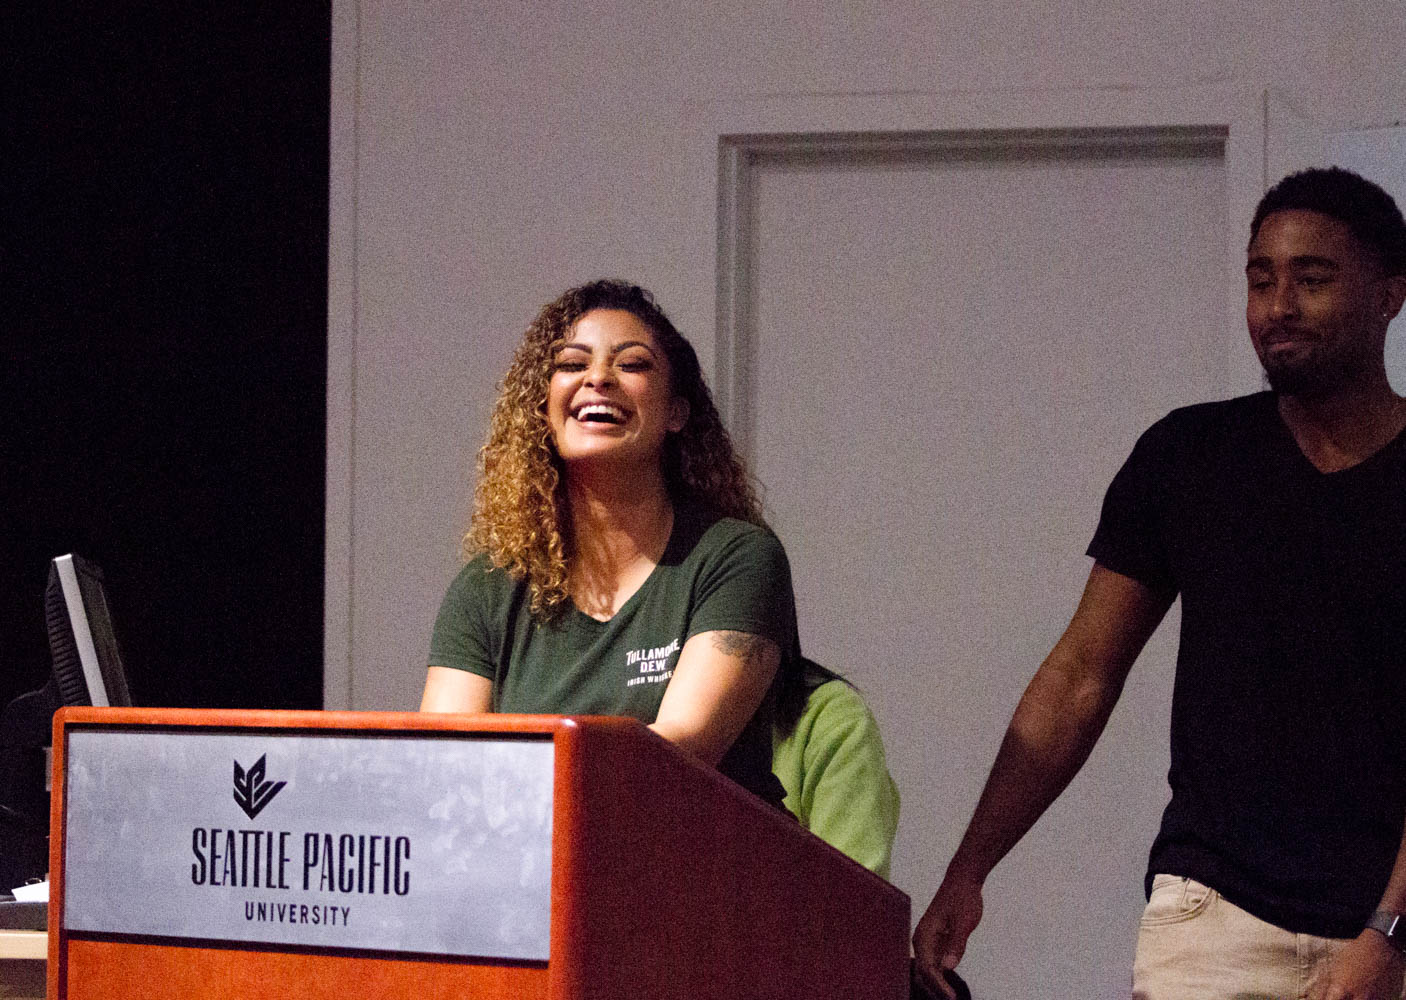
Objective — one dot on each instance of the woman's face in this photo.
(610, 398)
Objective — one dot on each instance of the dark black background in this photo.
(163, 288)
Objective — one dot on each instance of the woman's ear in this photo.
(678, 413)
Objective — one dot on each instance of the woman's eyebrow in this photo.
(615, 349)
(625, 344)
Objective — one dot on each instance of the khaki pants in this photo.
(1194, 945)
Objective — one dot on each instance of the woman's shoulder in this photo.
(482, 599)
(733, 576)
(838, 704)
(713, 532)
(726, 545)
(480, 579)
(477, 567)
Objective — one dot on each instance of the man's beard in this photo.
(1308, 377)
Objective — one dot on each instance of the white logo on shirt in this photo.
(650, 664)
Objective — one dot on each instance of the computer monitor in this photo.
(86, 661)
(86, 670)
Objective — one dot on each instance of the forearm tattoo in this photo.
(748, 648)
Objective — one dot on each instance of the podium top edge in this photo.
(235, 718)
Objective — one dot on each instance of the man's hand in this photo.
(1367, 968)
(1056, 724)
(941, 936)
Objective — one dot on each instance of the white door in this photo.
(1294, 141)
(951, 354)
(1379, 154)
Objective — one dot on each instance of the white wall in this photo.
(486, 156)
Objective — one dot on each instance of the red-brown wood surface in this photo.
(668, 881)
(103, 970)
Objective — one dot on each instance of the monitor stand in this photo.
(25, 732)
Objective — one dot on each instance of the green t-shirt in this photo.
(836, 778)
(715, 574)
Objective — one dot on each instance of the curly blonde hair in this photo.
(521, 512)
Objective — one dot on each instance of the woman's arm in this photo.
(719, 681)
(451, 690)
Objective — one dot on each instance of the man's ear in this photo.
(679, 410)
(1395, 295)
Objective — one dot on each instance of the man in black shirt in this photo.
(1280, 521)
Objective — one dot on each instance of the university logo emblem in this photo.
(251, 791)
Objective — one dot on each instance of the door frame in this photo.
(729, 138)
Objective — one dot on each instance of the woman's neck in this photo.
(619, 531)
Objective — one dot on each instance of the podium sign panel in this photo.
(398, 843)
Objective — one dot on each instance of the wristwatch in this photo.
(1391, 926)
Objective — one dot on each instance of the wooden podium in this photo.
(655, 877)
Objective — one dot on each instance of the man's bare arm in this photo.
(1054, 729)
(1368, 967)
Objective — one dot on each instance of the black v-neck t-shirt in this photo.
(1287, 742)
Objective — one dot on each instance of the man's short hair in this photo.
(1367, 211)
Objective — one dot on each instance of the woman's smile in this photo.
(610, 394)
